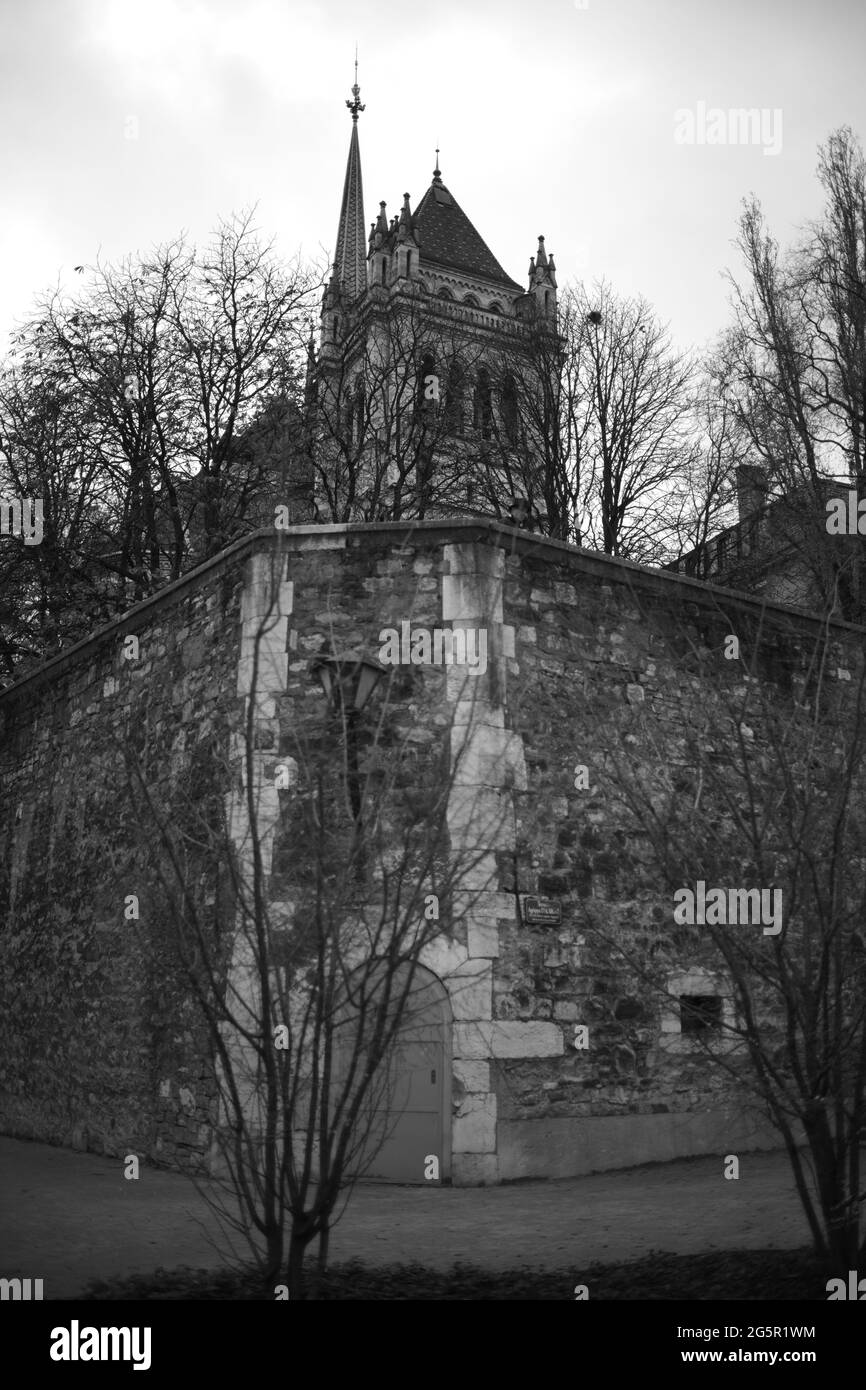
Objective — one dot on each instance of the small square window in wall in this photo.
(700, 1013)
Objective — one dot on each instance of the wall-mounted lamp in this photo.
(348, 681)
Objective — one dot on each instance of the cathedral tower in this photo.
(425, 362)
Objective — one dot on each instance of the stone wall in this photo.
(101, 1046)
(612, 659)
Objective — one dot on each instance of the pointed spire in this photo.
(437, 172)
(351, 254)
(405, 226)
(542, 281)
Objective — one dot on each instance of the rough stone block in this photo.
(472, 598)
(567, 1010)
(468, 558)
(507, 1039)
(482, 939)
(473, 1076)
(443, 956)
(474, 711)
(474, 1126)
(471, 990)
(486, 756)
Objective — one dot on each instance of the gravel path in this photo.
(67, 1217)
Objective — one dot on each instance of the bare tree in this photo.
(833, 268)
(792, 370)
(145, 411)
(602, 425)
(301, 892)
(639, 392)
(703, 495)
(763, 792)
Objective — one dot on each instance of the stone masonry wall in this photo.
(609, 658)
(100, 1045)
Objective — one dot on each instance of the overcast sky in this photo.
(123, 122)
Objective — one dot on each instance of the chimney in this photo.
(752, 489)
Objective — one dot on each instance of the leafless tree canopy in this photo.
(147, 411)
(790, 372)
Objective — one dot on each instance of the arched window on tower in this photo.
(495, 308)
(455, 393)
(482, 406)
(508, 405)
(384, 269)
(471, 301)
(444, 293)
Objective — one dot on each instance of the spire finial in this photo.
(356, 105)
(437, 172)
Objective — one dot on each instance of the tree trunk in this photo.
(298, 1243)
(322, 1255)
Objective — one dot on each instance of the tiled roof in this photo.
(447, 238)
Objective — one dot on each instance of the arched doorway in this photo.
(405, 1122)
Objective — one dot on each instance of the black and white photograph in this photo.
(432, 671)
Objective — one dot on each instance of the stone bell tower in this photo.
(423, 358)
